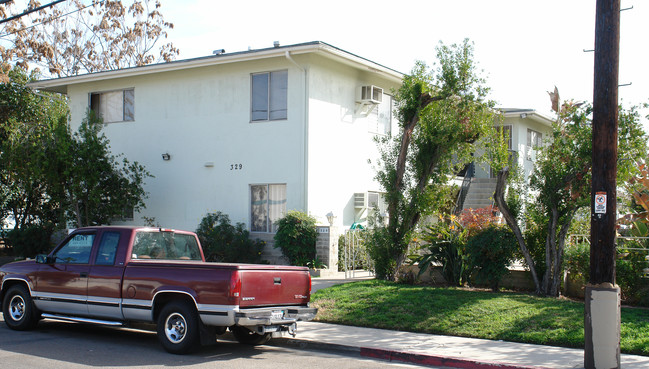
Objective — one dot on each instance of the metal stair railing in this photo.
(464, 188)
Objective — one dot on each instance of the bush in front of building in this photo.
(30, 240)
(296, 236)
(227, 243)
(490, 252)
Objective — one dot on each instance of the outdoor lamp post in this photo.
(330, 218)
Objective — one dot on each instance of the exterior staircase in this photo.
(480, 193)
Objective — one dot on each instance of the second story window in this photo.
(380, 117)
(114, 106)
(269, 96)
(534, 142)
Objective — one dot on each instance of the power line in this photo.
(29, 11)
(49, 20)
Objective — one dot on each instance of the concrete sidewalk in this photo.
(434, 350)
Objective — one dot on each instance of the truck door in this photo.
(62, 284)
(105, 278)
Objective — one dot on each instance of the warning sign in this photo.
(600, 203)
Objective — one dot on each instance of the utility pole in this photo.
(602, 305)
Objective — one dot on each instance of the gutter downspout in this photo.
(305, 157)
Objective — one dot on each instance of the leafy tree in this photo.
(30, 240)
(296, 236)
(99, 188)
(443, 114)
(28, 157)
(48, 175)
(72, 38)
(561, 181)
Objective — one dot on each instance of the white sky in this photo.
(524, 47)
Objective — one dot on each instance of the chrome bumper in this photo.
(274, 316)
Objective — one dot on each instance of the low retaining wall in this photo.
(516, 279)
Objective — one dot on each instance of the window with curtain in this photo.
(114, 106)
(269, 96)
(268, 205)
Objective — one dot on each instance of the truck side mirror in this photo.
(42, 259)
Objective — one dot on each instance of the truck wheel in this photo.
(18, 310)
(248, 337)
(178, 329)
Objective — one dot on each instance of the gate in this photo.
(355, 255)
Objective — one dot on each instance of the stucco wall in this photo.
(340, 142)
(201, 118)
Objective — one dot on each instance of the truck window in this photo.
(165, 246)
(76, 250)
(107, 248)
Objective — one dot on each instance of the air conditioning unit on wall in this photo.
(364, 200)
(370, 94)
(360, 200)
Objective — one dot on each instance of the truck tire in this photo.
(178, 328)
(19, 312)
(248, 337)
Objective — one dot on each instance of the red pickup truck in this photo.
(122, 275)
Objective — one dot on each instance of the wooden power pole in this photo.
(602, 305)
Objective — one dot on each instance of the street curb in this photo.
(313, 345)
(402, 356)
(437, 360)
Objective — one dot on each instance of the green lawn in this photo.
(450, 311)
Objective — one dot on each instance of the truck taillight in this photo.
(309, 274)
(235, 285)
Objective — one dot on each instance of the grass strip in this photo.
(506, 316)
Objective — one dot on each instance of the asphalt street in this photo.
(69, 345)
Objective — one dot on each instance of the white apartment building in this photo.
(252, 134)
(256, 133)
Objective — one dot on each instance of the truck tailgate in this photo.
(274, 286)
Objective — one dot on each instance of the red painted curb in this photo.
(432, 360)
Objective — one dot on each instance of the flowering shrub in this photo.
(477, 220)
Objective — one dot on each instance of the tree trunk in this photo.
(397, 231)
(550, 253)
(499, 197)
(560, 248)
(77, 212)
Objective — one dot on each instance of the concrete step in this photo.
(476, 205)
(480, 193)
(483, 180)
(481, 190)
